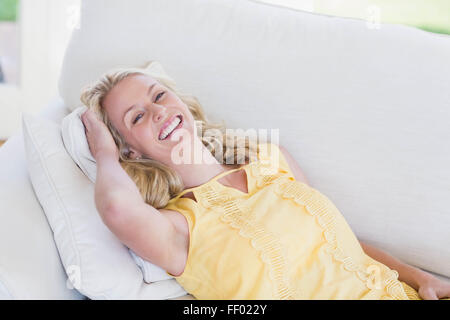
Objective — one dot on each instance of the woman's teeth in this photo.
(168, 130)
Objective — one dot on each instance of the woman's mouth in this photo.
(174, 123)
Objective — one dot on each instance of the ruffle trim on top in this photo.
(238, 216)
(319, 206)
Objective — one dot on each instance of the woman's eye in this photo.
(137, 118)
(159, 96)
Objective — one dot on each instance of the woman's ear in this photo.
(131, 154)
(134, 155)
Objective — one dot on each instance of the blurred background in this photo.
(429, 15)
(34, 34)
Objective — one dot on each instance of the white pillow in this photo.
(97, 263)
(74, 138)
(76, 144)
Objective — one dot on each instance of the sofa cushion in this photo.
(30, 267)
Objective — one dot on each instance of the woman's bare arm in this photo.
(144, 229)
(428, 286)
(113, 186)
(409, 274)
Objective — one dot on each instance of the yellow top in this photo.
(282, 240)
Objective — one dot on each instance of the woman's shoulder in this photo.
(181, 209)
(177, 219)
(271, 154)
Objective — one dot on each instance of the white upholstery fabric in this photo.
(364, 111)
(30, 267)
(76, 144)
(98, 264)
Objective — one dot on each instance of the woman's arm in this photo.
(112, 182)
(113, 187)
(407, 273)
(428, 286)
(144, 229)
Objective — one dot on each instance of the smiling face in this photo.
(146, 114)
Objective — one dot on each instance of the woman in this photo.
(227, 222)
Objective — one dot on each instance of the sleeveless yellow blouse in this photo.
(282, 240)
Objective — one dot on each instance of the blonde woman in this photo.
(228, 217)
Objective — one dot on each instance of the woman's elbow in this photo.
(111, 210)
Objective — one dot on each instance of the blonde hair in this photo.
(156, 182)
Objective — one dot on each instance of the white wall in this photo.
(45, 28)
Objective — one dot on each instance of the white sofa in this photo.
(364, 111)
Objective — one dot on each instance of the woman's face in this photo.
(147, 115)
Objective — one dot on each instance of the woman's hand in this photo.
(428, 286)
(431, 288)
(100, 140)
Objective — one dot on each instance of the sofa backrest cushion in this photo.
(364, 111)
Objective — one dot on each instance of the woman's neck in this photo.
(202, 167)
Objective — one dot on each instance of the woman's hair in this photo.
(157, 182)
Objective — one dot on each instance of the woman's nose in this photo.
(159, 113)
